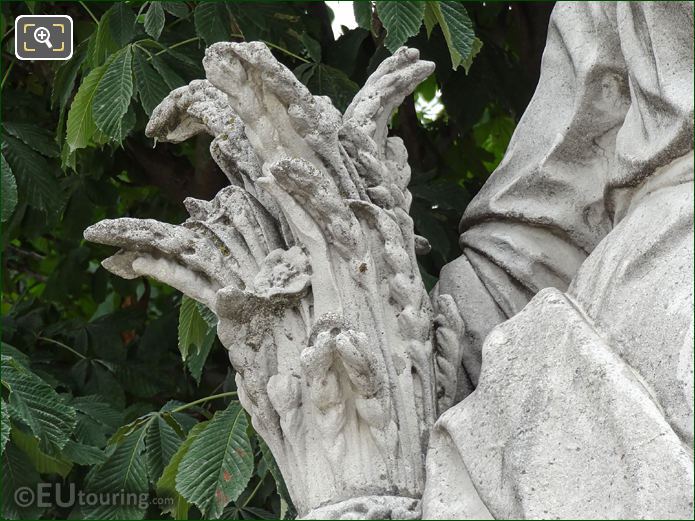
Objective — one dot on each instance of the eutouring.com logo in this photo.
(46, 495)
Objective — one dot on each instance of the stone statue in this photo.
(549, 374)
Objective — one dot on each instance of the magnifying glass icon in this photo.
(43, 35)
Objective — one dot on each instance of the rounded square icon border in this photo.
(16, 40)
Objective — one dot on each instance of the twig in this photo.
(235, 35)
(253, 493)
(96, 21)
(7, 73)
(178, 44)
(203, 400)
(51, 341)
(275, 46)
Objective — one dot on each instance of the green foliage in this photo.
(33, 136)
(8, 190)
(81, 125)
(401, 19)
(166, 486)
(219, 463)
(111, 384)
(211, 22)
(5, 428)
(193, 329)
(17, 472)
(43, 463)
(35, 183)
(363, 14)
(150, 86)
(124, 470)
(457, 28)
(162, 443)
(154, 20)
(324, 80)
(35, 404)
(112, 95)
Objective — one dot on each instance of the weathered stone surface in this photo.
(580, 405)
(559, 427)
(308, 260)
(560, 346)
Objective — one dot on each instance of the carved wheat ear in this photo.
(330, 328)
(383, 161)
(200, 107)
(394, 79)
(282, 118)
(193, 109)
(222, 244)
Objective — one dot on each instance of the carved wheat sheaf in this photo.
(308, 260)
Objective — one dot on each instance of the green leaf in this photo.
(101, 44)
(81, 127)
(121, 23)
(468, 60)
(17, 473)
(19, 357)
(193, 328)
(428, 88)
(83, 454)
(36, 404)
(493, 133)
(154, 20)
(90, 432)
(113, 94)
(169, 75)
(162, 442)
(363, 14)
(430, 17)
(150, 85)
(34, 136)
(124, 472)
(64, 79)
(96, 419)
(207, 314)
(219, 463)
(35, 177)
(401, 19)
(458, 32)
(196, 360)
(99, 410)
(5, 430)
(172, 420)
(179, 421)
(129, 428)
(211, 21)
(139, 381)
(43, 463)
(166, 486)
(272, 466)
(9, 191)
(312, 46)
(63, 85)
(324, 80)
(127, 123)
(178, 9)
